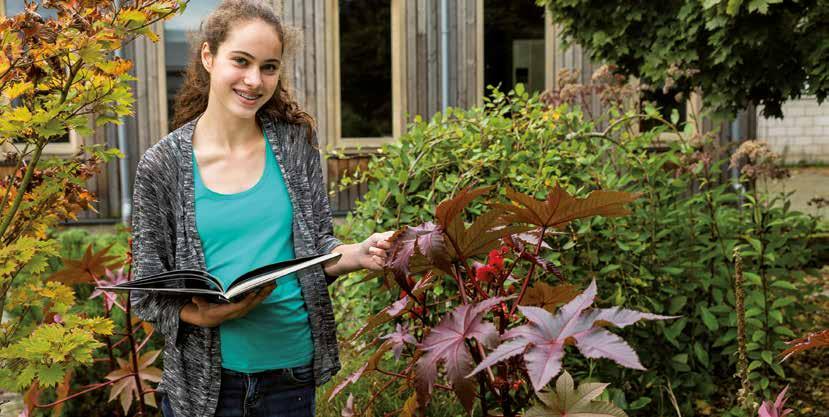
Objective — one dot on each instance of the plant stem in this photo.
(77, 394)
(529, 274)
(27, 178)
(742, 361)
(134, 354)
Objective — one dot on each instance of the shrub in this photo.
(671, 256)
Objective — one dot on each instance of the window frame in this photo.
(398, 91)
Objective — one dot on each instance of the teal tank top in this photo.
(244, 231)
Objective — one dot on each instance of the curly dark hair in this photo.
(192, 98)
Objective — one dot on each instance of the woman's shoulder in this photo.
(293, 135)
(165, 155)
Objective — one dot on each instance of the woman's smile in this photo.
(247, 98)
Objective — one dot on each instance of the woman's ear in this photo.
(206, 57)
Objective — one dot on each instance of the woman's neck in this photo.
(219, 129)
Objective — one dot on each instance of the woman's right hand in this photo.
(204, 314)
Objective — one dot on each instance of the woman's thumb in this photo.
(199, 302)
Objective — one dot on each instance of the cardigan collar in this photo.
(274, 133)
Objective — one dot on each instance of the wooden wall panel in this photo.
(423, 54)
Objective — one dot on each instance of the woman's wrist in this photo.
(348, 262)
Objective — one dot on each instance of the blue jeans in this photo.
(286, 392)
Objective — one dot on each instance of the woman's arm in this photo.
(368, 254)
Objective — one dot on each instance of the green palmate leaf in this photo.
(566, 401)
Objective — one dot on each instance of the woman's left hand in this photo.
(372, 253)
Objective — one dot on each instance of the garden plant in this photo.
(60, 75)
(673, 255)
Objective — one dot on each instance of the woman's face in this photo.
(245, 70)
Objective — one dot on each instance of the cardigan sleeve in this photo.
(153, 252)
(324, 226)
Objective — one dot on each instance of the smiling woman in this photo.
(238, 185)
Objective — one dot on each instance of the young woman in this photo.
(236, 186)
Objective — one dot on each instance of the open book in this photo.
(195, 282)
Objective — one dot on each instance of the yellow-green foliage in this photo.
(51, 349)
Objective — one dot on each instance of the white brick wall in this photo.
(803, 133)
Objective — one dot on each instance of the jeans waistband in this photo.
(266, 373)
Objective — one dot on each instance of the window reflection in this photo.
(365, 68)
(513, 45)
(177, 47)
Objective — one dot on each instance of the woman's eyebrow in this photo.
(253, 57)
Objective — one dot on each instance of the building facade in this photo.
(363, 69)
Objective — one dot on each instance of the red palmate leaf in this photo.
(447, 343)
(449, 211)
(110, 298)
(415, 250)
(560, 208)
(126, 388)
(542, 340)
(810, 341)
(78, 271)
(399, 338)
(483, 234)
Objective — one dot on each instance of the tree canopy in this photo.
(738, 52)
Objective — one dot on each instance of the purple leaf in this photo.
(447, 343)
(542, 340)
(399, 338)
(414, 250)
(115, 277)
(601, 343)
(348, 410)
(775, 410)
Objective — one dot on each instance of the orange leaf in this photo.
(81, 271)
(560, 208)
(548, 297)
(447, 211)
(810, 341)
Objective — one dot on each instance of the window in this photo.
(177, 46)
(514, 45)
(366, 70)
(68, 143)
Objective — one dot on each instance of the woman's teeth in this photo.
(247, 96)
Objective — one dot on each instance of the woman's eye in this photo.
(240, 61)
(270, 68)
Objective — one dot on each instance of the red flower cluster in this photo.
(494, 265)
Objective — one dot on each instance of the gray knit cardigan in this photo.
(165, 237)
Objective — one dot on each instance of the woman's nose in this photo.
(253, 78)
